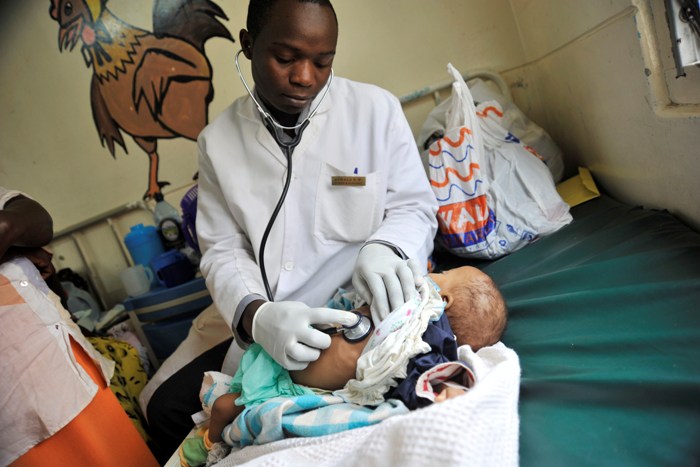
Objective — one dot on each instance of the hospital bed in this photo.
(605, 319)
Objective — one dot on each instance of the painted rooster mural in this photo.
(151, 85)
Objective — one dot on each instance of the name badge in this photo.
(348, 181)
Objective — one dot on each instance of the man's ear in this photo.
(447, 298)
(246, 42)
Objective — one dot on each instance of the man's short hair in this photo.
(259, 12)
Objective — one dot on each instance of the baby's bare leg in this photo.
(223, 412)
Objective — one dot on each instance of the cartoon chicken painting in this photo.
(151, 85)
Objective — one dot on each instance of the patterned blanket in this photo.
(304, 416)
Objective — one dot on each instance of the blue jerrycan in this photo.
(144, 244)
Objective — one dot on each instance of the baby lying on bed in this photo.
(386, 364)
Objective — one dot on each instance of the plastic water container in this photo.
(144, 244)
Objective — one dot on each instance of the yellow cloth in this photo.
(129, 377)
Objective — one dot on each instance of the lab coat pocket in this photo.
(346, 206)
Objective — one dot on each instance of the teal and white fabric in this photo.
(304, 416)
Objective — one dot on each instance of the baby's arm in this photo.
(223, 412)
(336, 364)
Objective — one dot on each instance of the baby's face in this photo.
(336, 365)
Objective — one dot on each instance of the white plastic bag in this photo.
(514, 120)
(495, 194)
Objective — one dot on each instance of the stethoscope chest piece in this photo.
(359, 330)
(355, 332)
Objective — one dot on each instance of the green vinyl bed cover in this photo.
(605, 317)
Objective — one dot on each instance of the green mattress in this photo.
(605, 317)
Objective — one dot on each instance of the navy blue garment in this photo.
(443, 348)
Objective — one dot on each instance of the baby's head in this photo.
(474, 306)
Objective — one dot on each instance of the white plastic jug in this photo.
(136, 280)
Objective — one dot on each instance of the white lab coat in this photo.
(359, 129)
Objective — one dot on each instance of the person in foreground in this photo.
(359, 209)
(474, 309)
(54, 390)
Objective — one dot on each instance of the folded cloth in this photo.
(259, 378)
(443, 348)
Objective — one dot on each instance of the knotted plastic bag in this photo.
(495, 193)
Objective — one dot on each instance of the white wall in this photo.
(588, 83)
(405, 45)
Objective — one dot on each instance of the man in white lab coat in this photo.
(359, 209)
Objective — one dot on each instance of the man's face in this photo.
(293, 54)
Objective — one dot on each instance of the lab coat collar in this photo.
(250, 112)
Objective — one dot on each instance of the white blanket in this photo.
(478, 428)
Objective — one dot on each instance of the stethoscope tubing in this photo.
(288, 178)
(273, 126)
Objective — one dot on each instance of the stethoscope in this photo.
(351, 333)
(355, 332)
(273, 126)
